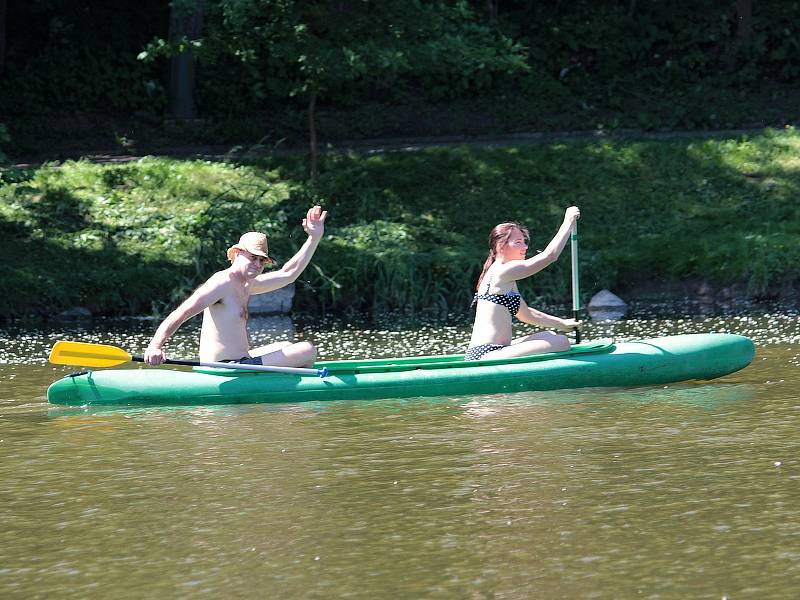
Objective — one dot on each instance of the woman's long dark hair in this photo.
(499, 237)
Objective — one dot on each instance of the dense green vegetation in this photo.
(407, 230)
(71, 79)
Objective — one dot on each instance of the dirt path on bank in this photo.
(369, 146)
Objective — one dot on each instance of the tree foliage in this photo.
(643, 63)
(324, 47)
(337, 50)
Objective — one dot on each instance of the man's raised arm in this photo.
(314, 226)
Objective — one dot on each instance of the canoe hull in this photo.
(646, 362)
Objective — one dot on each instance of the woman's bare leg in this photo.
(536, 343)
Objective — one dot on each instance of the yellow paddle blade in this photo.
(87, 355)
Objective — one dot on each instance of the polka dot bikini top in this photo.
(510, 300)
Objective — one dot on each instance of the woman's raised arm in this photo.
(520, 269)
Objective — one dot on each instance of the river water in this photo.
(682, 491)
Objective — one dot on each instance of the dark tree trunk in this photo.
(182, 25)
(312, 135)
(493, 6)
(744, 30)
(744, 22)
(2, 36)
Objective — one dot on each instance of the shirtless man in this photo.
(224, 297)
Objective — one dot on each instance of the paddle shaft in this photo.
(576, 296)
(239, 366)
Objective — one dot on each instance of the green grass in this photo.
(407, 230)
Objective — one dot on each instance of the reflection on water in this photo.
(680, 491)
(386, 336)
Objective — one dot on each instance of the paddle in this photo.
(576, 298)
(104, 355)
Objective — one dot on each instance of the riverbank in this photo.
(714, 217)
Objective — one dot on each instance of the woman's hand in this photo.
(570, 324)
(572, 214)
(314, 223)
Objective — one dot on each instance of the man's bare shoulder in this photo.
(222, 276)
(217, 282)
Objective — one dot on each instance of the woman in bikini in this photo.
(498, 299)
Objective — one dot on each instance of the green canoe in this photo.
(591, 364)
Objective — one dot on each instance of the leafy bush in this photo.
(407, 230)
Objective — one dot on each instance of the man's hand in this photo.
(314, 223)
(154, 356)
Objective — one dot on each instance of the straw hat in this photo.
(254, 242)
